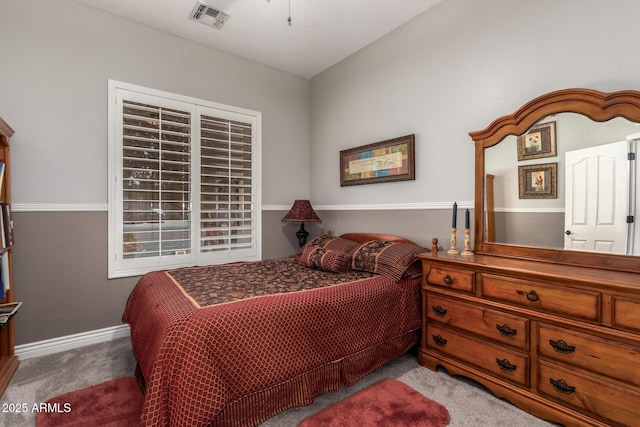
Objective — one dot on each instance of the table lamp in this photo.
(301, 212)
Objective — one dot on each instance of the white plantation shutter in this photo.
(226, 173)
(156, 181)
(183, 182)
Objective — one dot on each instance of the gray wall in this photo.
(449, 71)
(418, 225)
(536, 229)
(60, 273)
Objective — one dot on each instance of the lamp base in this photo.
(302, 235)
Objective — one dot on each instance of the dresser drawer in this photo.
(575, 303)
(614, 404)
(497, 326)
(626, 314)
(461, 280)
(602, 356)
(501, 362)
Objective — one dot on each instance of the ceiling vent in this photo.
(208, 15)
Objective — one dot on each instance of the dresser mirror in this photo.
(553, 180)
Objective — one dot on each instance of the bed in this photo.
(237, 343)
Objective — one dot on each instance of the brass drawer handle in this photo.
(505, 365)
(562, 347)
(448, 280)
(532, 296)
(562, 386)
(439, 340)
(438, 310)
(506, 330)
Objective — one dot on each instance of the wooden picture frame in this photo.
(538, 181)
(385, 161)
(539, 141)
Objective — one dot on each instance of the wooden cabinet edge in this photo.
(8, 360)
(7, 370)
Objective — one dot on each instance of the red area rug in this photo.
(115, 403)
(385, 403)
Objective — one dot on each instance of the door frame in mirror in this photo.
(598, 106)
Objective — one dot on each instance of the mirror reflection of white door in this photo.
(634, 191)
(597, 198)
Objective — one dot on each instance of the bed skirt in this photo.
(257, 407)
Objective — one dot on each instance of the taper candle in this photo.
(454, 220)
(466, 219)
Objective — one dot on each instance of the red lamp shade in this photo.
(301, 212)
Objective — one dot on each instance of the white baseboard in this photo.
(69, 342)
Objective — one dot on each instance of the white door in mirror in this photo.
(597, 183)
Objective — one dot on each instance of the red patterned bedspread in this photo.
(235, 344)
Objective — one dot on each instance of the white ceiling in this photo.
(322, 32)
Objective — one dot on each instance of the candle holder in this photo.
(453, 250)
(467, 243)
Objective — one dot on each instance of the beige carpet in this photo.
(41, 378)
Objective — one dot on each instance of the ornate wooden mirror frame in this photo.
(598, 106)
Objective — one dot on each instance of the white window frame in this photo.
(118, 266)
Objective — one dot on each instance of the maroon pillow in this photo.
(341, 245)
(332, 242)
(391, 259)
(318, 241)
(325, 259)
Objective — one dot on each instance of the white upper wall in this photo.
(573, 132)
(453, 70)
(449, 71)
(57, 58)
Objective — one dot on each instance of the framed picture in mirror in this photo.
(539, 141)
(538, 181)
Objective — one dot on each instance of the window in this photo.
(183, 185)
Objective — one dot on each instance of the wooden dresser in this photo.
(561, 342)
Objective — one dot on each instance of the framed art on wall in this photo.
(538, 181)
(385, 161)
(539, 141)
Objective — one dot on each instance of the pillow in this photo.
(325, 259)
(390, 259)
(332, 242)
(318, 241)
